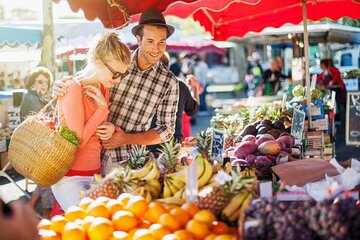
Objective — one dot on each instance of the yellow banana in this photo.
(171, 201)
(234, 204)
(173, 188)
(234, 216)
(154, 172)
(147, 197)
(178, 184)
(204, 179)
(167, 191)
(179, 193)
(98, 178)
(154, 187)
(142, 172)
(244, 206)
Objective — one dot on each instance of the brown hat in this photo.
(153, 17)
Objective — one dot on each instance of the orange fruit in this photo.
(145, 224)
(143, 234)
(170, 221)
(197, 228)
(74, 212)
(218, 228)
(169, 207)
(58, 223)
(103, 200)
(73, 231)
(226, 237)
(171, 237)
(155, 210)
(124, 221)
(205, 216)
(183, 234)
(182, 215)
(48, 235)
(44, 224)
(97, 209)
(85, 202)
(87, 222)
(124, 198)
(212, 236)
(190, 208)
(100, 229)
(158, 230)
(113, 206)
(119, 235)
(137, 205)
(132, 232)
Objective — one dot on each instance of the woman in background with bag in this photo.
(84, 107)
(38, 86)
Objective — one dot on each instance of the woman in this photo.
(84, 107)
(271, 79)
(38, 86)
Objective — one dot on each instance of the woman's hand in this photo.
(95, 94)
(105, 131)
(60, 87)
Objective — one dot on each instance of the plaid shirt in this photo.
(137, 98)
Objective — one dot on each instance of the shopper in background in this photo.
(200, 71)
(271, 79)
(38, 86)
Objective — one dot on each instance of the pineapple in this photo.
(232, 136)
(138, 157)
(204, 144)
(169, 156)
(215, 197)
(112, 186)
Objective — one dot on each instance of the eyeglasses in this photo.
(116, 74)
(42, 82)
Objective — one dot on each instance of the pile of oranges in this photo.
(130, 217)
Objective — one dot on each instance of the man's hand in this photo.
(118, 139)
(60, 87)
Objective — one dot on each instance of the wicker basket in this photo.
(37, 152)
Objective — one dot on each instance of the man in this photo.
(149, 89)
(188, 104)
(200, 71)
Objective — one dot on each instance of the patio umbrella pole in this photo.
(307, 63)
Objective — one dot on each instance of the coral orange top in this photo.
(80, 114)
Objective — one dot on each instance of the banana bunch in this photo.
(247, 172)
(175, 182)
(149, 172)
(236, 206)
(143, 191)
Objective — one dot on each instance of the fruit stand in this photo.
(244, 195)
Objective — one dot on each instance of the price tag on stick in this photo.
(217, 145)
(192, 188)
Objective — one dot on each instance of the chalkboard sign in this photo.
(353, 118)
(297, 127)
(217, 145)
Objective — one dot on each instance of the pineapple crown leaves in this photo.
(204, 142)
(138, 157)
(170, 153)
(238, 183)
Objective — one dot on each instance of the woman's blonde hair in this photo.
(109, 45)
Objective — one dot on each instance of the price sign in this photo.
(297, 128)
(353, 118)
(217, 145)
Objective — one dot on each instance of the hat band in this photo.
(153, 21)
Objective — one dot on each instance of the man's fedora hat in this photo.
(153, 17)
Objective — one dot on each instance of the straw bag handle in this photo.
(55, 111)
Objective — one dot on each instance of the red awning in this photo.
(115, 13)
(238, 18)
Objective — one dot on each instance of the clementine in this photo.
(137, 205)
(73, 231)
(74, 212)
(155, 210)
(124, 221)
(191, 208)
(100, 229)
(58, 223)
(170, 221)
(197, 228)
(158, 230)
(97, 209)
(182, 215)
(119, 235)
